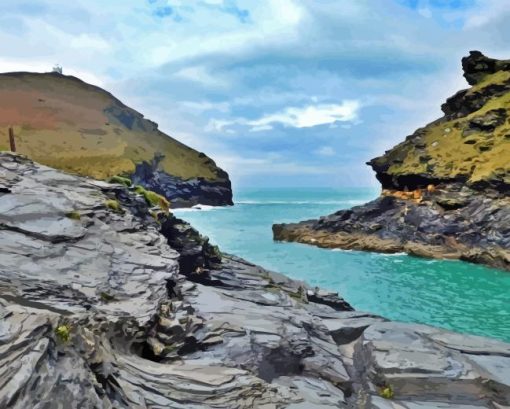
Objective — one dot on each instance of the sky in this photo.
(277, 92)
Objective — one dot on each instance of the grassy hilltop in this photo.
(65, 123)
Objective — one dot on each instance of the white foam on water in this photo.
(198, 208)
(392, 254)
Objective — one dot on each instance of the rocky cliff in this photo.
(65, 123)
(106, 303)
(445, 188)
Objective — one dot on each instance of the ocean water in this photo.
(451, 294)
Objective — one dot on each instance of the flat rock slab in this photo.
(418, 360)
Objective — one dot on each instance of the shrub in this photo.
(114, 205)
(106, 297)
(153, 198)
(120, 180)
(75, 215)
(63, 332)
(386, 392)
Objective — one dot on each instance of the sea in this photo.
(451, 294)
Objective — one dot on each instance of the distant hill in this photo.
(65, 123)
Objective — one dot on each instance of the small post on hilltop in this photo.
(11, 140)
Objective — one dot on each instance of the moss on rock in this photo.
(120, 180)
(114, 205)
(153, 198)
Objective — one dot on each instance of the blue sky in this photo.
(278, 92)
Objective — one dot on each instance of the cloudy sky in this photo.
(278, 92)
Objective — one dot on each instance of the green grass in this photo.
(120, 180)
(153, 198)
(113, 205)
(106, 297)
(63, 332)
(386, 392)
(74, 215)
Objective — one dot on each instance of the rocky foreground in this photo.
(445, 189)
(103, 306)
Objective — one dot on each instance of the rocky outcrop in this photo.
(450, 222)
(445, 188)
(180, 192)
(65, 123)
(122, 306)
(477, 67)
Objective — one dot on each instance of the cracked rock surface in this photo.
(108, 308)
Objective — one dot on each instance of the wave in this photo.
(371, 253)
(197, 208)
(401, 253)
(301, 202)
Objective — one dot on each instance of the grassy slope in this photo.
(65, 123)
(478, 156)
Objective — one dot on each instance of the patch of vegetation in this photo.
(120, 180)
(74, 215)
(63, 332)
(106, 297)
(153, 198)
(499, 77)
(386, 392)
(114, 205)
(300, 295)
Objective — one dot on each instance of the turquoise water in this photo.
(450, 294)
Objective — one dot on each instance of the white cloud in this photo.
(205, 106)
(270, 164)
(325, 151)
(218, 125)
(201, 75)
(295, 117)
(89, 41)
(425, 12)
(486, 12)
(311, 115)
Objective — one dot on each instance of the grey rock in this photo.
(115, 310)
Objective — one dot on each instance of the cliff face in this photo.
(115, 306)
(63, 122)
(445, 188)
(470, 144)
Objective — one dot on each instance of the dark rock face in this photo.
(477, 66)
(105, 307)
(184, 193)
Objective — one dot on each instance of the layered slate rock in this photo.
(445, 188)
(104, 306)
(63, 122)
